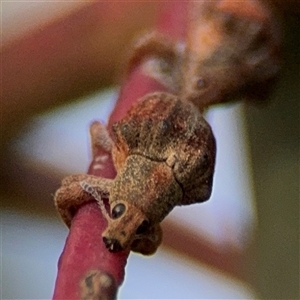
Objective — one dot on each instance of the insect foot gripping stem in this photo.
(169, 155)
(75, 191)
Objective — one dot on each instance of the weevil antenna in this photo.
(93, 192)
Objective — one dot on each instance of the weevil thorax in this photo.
(164, 154)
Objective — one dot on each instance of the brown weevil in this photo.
(164, 154)
(225, 56)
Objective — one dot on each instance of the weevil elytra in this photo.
(164, 154)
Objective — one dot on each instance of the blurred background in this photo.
(61, 66)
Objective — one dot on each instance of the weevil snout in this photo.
(113, 245)
(125, 224)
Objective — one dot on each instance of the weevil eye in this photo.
(143, 227)
(118, 211)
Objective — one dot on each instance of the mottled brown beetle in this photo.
(164, 154)
(225, 56)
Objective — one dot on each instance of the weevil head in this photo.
(126, 224)
(142, 194)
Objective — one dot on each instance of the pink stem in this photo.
(86, 268)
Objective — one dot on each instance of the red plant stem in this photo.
(84, 256)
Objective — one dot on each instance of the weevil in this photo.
(163, 149)
(229, 52)
(164, 154)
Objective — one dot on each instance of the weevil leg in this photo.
(100, 138)
(74, 178)
(71, 195)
